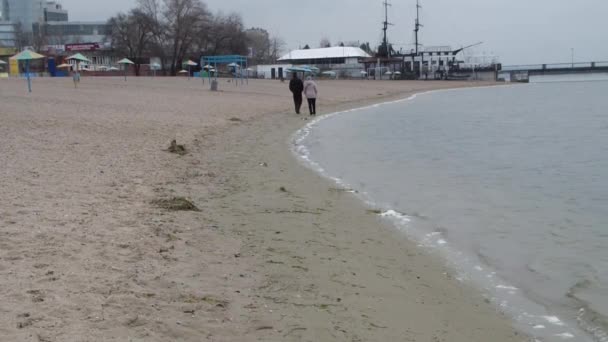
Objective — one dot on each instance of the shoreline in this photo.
(274, 254)
(354, 211)
(399, 221)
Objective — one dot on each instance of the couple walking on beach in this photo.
(309, 88)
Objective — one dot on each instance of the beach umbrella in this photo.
(78, 58)
(113, 69)
(184, 71)
(2, 62)
(64, 65)
(190, 64)
(312, 69)
(155, 67)
(207, 67)
(125, 62)
(303, 70)
(329, 73)
(27, 56)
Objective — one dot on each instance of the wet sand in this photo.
(273, 253)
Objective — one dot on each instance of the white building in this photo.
(7, 34)
(53, 11)
(272, 71)
(344, 60)
(24, 15)
(25, 12)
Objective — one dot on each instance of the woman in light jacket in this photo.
(310, 91)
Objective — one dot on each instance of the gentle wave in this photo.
(501, 291)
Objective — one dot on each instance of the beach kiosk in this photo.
(240, 63)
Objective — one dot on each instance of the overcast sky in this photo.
(519, 31)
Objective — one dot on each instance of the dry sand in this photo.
(87, 254)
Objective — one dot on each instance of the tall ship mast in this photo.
(385, 46)
(417, 25)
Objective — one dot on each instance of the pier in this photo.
(522, 73)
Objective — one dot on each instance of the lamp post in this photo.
(572, 50)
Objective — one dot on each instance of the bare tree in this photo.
(158, 43)
(227, 35)
(176, 29)
(131, 34)
(22, 38)
(325, 43)
(39, 37)
(184, 19)
(258, 40)
(277, 47)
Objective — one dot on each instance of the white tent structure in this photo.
(335, 52)
(346, 60)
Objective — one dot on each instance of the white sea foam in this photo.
(553, 320)
(506, 287)
(565, 336)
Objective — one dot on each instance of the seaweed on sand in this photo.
(176, 204)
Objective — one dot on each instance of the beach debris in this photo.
(134, 322)
(264, 327)
(294, 330)
(264, 164)
(176, 204)
(282, 189)
(37, 296)
(235, 119)
(374, 211)
(177, 149)
(43, 339)
(343, 190)
(28, 322)
(194, 299)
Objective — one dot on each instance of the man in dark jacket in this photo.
(297, 87)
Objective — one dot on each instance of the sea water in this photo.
(509, 184)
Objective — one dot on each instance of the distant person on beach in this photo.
(297, 87)
(310, 90)
(76, 78)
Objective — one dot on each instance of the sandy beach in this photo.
(91, 250)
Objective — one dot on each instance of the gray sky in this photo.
(519, 31)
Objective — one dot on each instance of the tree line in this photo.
(176, 30)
